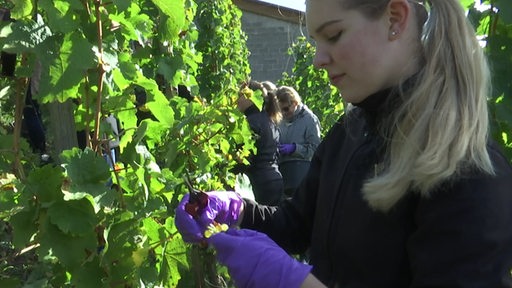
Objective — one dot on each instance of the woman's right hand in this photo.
(243, 103)
(224, 207)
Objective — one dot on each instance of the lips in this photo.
(336, 78)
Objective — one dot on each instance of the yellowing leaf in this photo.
(139, 255)
(247, 92)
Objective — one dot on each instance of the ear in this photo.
(399, 12)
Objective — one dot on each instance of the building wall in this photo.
(268, 41)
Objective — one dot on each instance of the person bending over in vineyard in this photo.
(269, 85)
(407, 189)
(299, 136)
(263, 171)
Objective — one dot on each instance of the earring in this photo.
(394, 33)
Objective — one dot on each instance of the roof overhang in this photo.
(271, 10)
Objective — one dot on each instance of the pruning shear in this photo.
(197, 201)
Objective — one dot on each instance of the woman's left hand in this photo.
(254, 260)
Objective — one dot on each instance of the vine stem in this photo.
(207, 139)
(88, 114)
(101, 73)
(21, 86)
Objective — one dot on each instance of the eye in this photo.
(334, 38)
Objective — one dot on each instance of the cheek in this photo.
(361, 55)
(359, 52)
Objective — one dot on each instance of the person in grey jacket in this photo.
(299, 137)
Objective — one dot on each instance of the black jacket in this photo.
(461, 236)
(267, 137)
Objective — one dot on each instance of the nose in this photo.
(321, 58)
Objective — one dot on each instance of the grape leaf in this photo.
(74, 217)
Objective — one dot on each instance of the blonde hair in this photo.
(287, 94)
(441, 127)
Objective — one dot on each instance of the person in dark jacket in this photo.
(407, 189)
(263, 171)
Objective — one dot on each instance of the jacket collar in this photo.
(298, 113)
(377, 105)
(382, 103)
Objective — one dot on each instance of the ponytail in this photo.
(270, 104)
(441, 128)
(272, 107)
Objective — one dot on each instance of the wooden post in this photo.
(62, 128)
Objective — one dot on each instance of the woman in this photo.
(407, 189)
(262, 171)
(299, 136)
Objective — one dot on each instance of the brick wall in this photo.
(268, 41)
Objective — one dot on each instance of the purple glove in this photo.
(223, 207)
(286, 149)
(254, 260)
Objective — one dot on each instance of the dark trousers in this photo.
(267, 186)
(293, 172)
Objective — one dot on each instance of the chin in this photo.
(352, 97)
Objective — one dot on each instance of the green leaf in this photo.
(67, 69)
(61, 16)
(152, 230)
(257, 99)
(10, 283)
(26, 35)
(9, 202)
(72, 251)
(155, 133)
(22, 9)
(175, 256)
(175, 12)
(156, 102)
(5, 31)
(45, 184)
(90, 274)
(24, 226)
(109, 58)
(172, 152)
(73, 217)
(85, 166)
(177, 247)
(127, 69)
(163, 113)
(224, 146)
(134, 25)
(130, 154)
(8, 205)
(467, 3)
(122, 5)
(127, 28)
(120, 244)
(122, 84)
(87, 171)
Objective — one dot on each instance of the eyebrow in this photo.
(322, 27)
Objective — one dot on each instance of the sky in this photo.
(295, 4)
